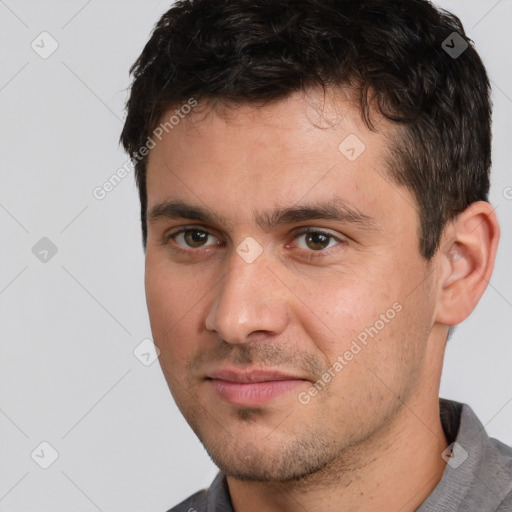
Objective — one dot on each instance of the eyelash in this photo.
(308, 254)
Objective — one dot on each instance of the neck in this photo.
(395, 470)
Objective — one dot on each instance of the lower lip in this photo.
(253, 393)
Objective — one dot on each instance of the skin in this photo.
(372, 438)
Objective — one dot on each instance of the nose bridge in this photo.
(248, 298)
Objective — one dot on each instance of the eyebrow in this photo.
(334, 209)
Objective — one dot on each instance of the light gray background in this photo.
(69, 326)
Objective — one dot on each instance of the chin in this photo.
(293, 461)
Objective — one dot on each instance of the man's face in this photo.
(253, 304)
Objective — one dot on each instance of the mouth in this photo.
(253, 387)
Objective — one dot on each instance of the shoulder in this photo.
(216, 497)
(506, 504)
(195, 503)
(502, 455)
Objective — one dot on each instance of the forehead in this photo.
(308, 146)
(333, 111)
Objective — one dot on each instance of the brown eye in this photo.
(195, 238)
(192, 238)
(317, 241)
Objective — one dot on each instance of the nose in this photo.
(250, 298)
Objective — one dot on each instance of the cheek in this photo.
(343, 308)
(160, 299)
(363, 321)
(172, 305)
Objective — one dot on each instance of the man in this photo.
(313, 178)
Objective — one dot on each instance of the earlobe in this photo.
(467, 260)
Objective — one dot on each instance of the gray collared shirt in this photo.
(477, 478)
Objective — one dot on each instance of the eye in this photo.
(313, 240)
(192, 238)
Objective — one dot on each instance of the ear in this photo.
(466, 261)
